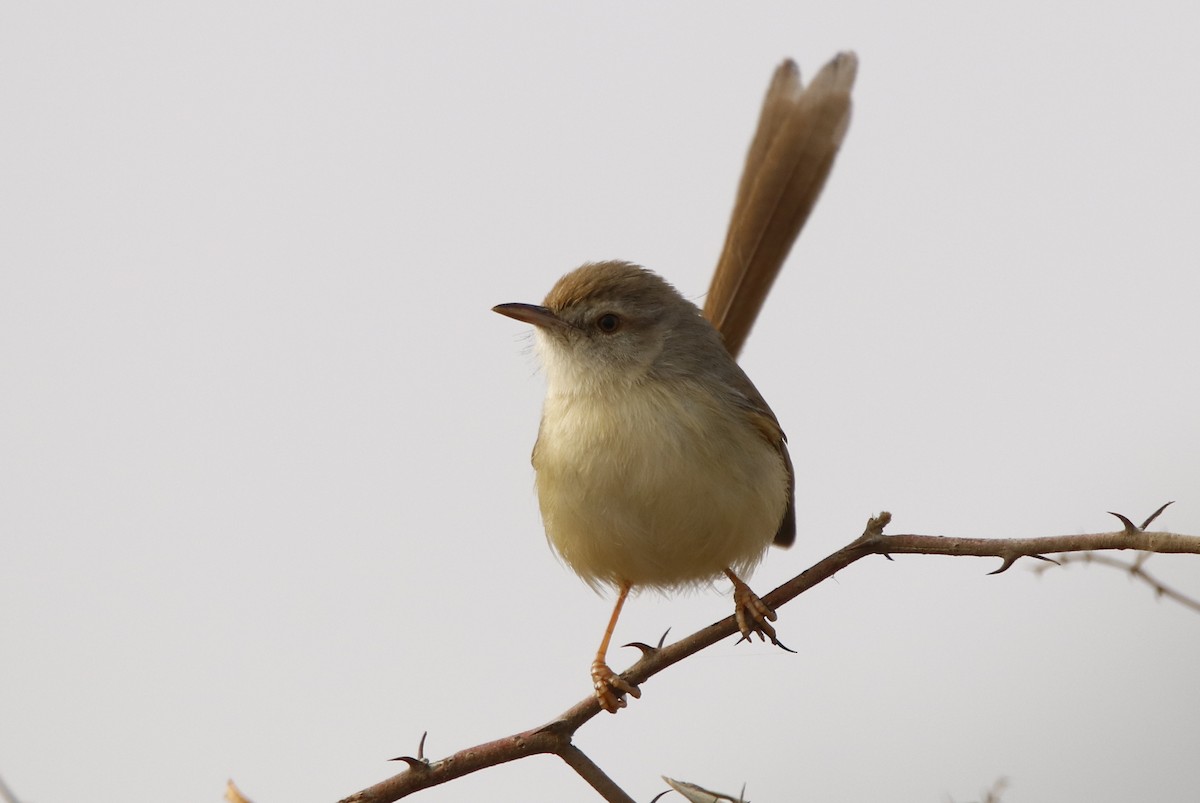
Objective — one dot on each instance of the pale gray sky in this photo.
(266, 510)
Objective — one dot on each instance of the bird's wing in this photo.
(763, 419)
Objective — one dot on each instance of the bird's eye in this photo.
(608, 323)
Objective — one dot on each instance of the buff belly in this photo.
(653, 494)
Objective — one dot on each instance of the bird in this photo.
(658, 463)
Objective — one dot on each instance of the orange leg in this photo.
(610, 687)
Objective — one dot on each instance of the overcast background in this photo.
(266, 510)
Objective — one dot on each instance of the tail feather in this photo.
(799, 133)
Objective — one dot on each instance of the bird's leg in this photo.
(753, 615)
(610, 687)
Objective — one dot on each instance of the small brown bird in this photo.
(659, 464)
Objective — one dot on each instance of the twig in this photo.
(590, 772)
(7, 794)
(1135, 571)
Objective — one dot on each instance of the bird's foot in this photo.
(754, 616)
(610, 687)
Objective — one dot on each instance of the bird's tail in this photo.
(799, 133)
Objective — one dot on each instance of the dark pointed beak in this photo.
(532, 313)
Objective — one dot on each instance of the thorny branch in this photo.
(554, 737)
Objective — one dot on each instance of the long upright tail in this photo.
(799, 133)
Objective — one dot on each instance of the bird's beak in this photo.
(531, 313)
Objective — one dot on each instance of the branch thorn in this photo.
(1011, 559)
(1154, 515)
(418, 763)
(1130, 527)
(1008, 562)
(783, 646)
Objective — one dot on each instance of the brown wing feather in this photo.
(764, 420)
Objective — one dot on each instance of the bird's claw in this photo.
(611, 688)
(754, 616)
